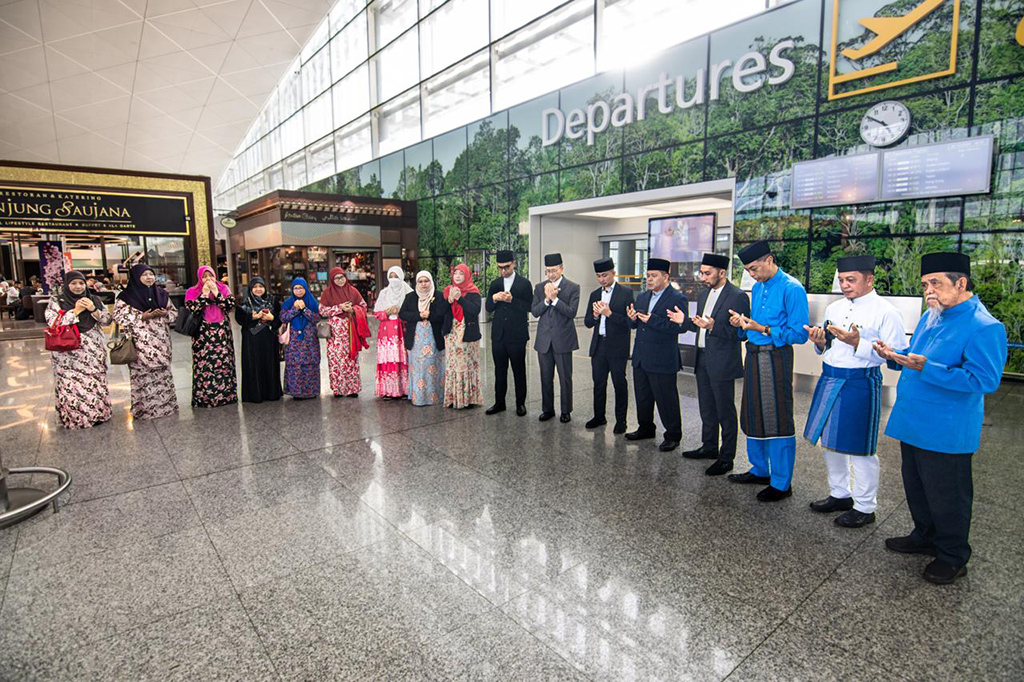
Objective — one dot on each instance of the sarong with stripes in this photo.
(766, 408)
(846, 409)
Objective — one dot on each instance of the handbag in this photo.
(323, 329)
(285, 334)
(187, 323)
(61, 338)
(122, 348)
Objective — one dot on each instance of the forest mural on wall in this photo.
(475, 185)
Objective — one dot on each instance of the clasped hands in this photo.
(454, 295)
(601, 308)
(264, 315)
(155, 312)
(817, 335)
(210, 288)
(910, 360)
(83, 304)
(502, 297)
(744, 322)
(551, 292)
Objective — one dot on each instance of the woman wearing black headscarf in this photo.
(261, 369)
(80, 375)
(144, 311)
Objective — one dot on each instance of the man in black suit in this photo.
(719, 361)
(555, 303)
(609, 346)
(508, 301)
(656, 356)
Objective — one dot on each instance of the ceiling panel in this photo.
(163, 85)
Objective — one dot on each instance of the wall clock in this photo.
(885, 124)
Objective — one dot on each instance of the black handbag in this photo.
(187, 323)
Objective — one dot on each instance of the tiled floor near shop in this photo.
(355, 539)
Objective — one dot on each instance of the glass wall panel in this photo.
(544, 56)
(316, 40)
(275, 176)
(457, 96)
(452, 214)
(452, 160)
(352, 143)
(295, 175)
(997, 268)
(527, 154)
(348, 48)
(390, 18)
(999, 54)
(593, 180)
(395, 66)
(458, 28)
(420, 175)
(342, 13)
(906, 217)
(369, 180)
(508, 15)
(791, 257)
(997, 111)
(898, 271)
(352, 96)
(488, 218)
(426, 228)
(317, 118)
(320, 159)
(391, 167)
(316, 75)
(488, 150)
(290, 91)
(663, 168)
(583, 149)
(292, 136)
(399, 122)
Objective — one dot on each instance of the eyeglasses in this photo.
(506, 266)
(550, 271)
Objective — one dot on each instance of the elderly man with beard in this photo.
(956, 356)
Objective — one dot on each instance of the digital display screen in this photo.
(835, 182)
(682, 239)
(947, 168)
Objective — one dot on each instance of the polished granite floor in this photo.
(359, 539)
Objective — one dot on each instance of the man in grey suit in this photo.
(554, 304)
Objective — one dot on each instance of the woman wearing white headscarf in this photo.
(392, 359)
(423, 315)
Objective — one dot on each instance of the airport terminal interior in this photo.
(373, 515)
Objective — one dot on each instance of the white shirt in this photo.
(606, 298)
(557, 284)
(709, 307)
(876, 319)
(508, 281)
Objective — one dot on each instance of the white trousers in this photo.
(864, 490)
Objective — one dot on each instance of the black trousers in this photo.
(505, 355)
(717, 401)
(653, 388)
(940, 494)
(548, 362)
(601, 366)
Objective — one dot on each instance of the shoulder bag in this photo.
(284, 335)
(323, 329)
(122, 348)
(61, 338)
(187, 323)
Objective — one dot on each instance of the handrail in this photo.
(63, 481)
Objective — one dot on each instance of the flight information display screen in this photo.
(935, 170)
(835, 181)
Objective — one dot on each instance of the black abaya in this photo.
(261, 367)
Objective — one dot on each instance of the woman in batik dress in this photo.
(213, 348)
(462, 340)
(144, 312)
(342, 305)
(80, 376)
(392, 358)
(300, 312)
(423, 313)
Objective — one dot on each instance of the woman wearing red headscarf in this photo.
(343, 306)
(461, 329)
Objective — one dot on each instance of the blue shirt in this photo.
(655, 297)
(779, 303)
(940, 407)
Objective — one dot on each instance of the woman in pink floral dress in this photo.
(213, 349)
(145, 312)
(461, 330)
(80, 376)
(392, 358)
(342, 305)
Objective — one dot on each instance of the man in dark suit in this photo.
(719, 361)
(656, 356)
(555, 303)
(508, 301)
(609, 346)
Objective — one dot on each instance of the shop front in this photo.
(286, 235)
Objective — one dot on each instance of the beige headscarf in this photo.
(425, 298)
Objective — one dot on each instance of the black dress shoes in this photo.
(638, 435)
(771, 494)
(831, 504)
(906, 545)
(941, 573)
(855, 519)
(749, 477)
(595, 422)
(494, 409)
(619, 428)
(544, 416)
(564, 418)
(668, 445)
(700, 453)
(521, 410)
(718, 468)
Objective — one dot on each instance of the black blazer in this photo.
(410, 314)
(722, 344)
(657, 341)
(470, 315)
(616, 327)
(509, 321)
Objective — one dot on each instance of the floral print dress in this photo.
(213, 355)
(302, 356)
(426, 368)
(341, 367)
(80, 376)
(151, 379)
(462, 373)
(392, 358)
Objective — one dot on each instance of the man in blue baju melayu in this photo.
(956, 356)
(778, 315)
(847, 405)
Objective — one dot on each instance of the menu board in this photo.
(835, 181)
(935, 170)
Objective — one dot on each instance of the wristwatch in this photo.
(767, 331)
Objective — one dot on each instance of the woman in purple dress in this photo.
(300, 312)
